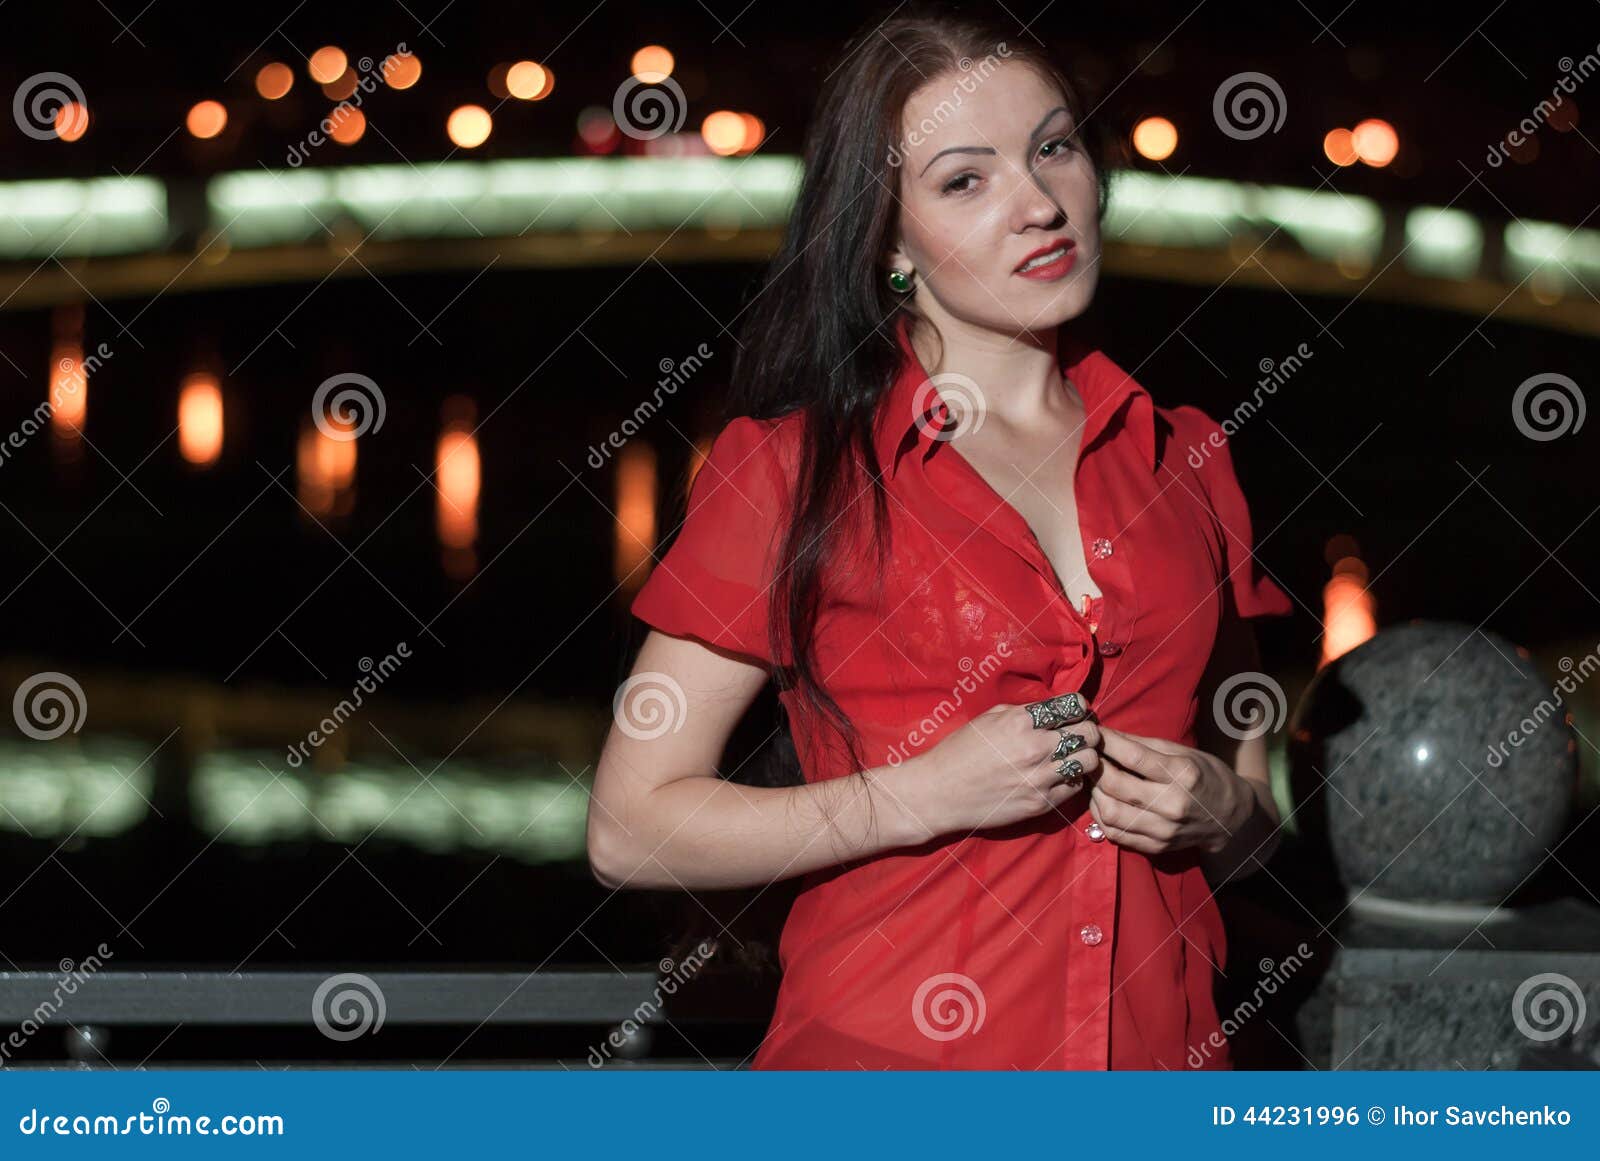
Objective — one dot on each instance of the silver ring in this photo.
(1070, 772)
(1069, 744)
(1055, 712)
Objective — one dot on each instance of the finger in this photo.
(1128, 788)
(1132, 754)
(1123, 837)
(1133, 819)
(1049, 770)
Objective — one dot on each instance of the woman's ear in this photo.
(896, 259)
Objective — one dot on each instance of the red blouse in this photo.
(1029, 945)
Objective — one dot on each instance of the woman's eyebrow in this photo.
(1037, 130)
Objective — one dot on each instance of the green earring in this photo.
(899, 281)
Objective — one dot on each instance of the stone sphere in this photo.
(1435, 763)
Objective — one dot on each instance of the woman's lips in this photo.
(1051, 271)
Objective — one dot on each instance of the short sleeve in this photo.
(714, 581)
(1255, 594)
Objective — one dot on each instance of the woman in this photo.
(935, 514)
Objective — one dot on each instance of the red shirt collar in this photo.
(1107, 390)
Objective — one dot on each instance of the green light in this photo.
(1443, 242)
(101, 215)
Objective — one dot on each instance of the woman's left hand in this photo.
(1152, 795)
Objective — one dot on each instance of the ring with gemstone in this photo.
(1069, 743)
(1055, 712)
(1070, 772)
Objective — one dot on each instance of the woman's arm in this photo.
(661, 818)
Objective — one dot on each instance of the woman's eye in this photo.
(954, 184)
(1055, 144)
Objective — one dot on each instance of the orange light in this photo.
(528, 81)
(635, 527)
(652, 64)
(325, 468)
(401, 70)
(754, 132)
(459, 475)
(273, 81)
(497, 80)
(72, 121)
(1155, 138)
(723, 132)
(69, 387)
(347, 125)
(327, 64)
(469, 126)
(1375, 142)
(1348, 616)
(207, 119)
(1339, 148)
(341, 87)
(200, 419)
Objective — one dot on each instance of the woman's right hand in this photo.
(999, 769)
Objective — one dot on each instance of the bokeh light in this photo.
(1375, 142)
(652, 64)
(327, 64)
(1155, 138)
(469, 126)
(206, 119)
(723, 132)
(274, 80)
(528, 81)
(1339, 148)
(347, 124)
(72, 121)
(401, 70)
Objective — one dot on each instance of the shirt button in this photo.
(1091, 934)
(1109, 648)
(1102, 548)
(1096, 833)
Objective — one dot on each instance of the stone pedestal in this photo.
(1519, 990)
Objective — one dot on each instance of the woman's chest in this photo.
(972, 585)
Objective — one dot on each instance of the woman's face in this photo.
(991, 172)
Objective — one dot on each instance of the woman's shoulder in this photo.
(1195, 438)
(745, 439)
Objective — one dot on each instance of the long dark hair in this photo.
(819, 338)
